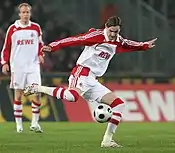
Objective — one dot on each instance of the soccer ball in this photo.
(102, 113)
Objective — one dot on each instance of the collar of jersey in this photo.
(19, 24)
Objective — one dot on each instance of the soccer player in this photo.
(22, 57)
(100, 46)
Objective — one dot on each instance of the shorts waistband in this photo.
(79, 70)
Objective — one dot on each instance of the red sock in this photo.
(17, 105)
(62, 93)
(35, 112)
(117, 107)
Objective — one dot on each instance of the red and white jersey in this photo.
(22, 47)
(98, 49)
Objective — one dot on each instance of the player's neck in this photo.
(24, 22)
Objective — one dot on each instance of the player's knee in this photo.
(18, 96)
(36, 98)
(71, 95)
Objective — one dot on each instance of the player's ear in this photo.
(19, 14)
(18, 11)
(119, 29)
(106, 25)
(30, 13)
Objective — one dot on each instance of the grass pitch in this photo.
(86, 137)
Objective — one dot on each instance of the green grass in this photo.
(86, 138)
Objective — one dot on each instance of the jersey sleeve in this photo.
(6, 50)
(130, 46)
(90, 38)
(41, 43)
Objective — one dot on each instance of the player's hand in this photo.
(5, 69)
(41, 59)
(46, 49)
(151, 43)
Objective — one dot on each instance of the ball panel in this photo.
(94, 114)
(100, 107)
(101, 116)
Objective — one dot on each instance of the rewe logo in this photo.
(148, 104)
(104, 55)
(25, 42)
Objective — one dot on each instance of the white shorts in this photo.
(91, 89)
(19, 80)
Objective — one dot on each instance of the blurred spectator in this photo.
(2, 35)
(107, 11)
(73, 58)
(47, 66)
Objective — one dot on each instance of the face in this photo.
(112, 32)
(25, 13)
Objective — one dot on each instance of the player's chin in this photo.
(113, 39)
(26, 18)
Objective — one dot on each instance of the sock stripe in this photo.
(17, 102)
(36, 104)
(62, 93)
(34, 107)
(55, 91)
(117, 114)
(36, 112)
(17, 107)
(116, 118)
(75, 94)
(19, 111)
(116, 102)
(18, 116)
(116, 122)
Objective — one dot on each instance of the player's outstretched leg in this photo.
(117, 106)
(58, 92)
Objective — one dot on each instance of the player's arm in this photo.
(5, 53)
(86, 39)
(130, 45)
(41, 43)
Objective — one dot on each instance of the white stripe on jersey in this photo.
(90, 35)
(5, 44)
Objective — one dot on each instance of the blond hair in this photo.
(24, 4)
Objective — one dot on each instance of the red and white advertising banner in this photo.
(154, 103)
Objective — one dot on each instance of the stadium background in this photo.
(144, 79)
